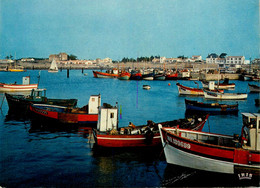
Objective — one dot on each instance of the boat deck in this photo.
(213, 139)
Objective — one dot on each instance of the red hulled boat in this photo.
(108, 134)
(67, 115)
(108, 74)
(215, 152)
(184, 90)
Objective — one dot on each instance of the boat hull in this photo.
(230, 86)
(254, 88)
(124, 76)
(136, 76)
(104, 75)
(149, 76)
(183, 90)
(159, 77)
(208, 157)
(21, 103)
(213, 108)
(58, 114)
(225, 96)
(17, 88)
(120, 141)
(53, 71)
(172, 76)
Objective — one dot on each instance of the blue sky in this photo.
(93, 29)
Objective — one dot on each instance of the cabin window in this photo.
(111, 115)
(93, 99)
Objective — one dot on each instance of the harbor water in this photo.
(31, 156)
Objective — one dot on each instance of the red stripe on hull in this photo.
(127, 141)
(230, 154)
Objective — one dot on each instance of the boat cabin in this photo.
(251, 131)
(107, 118)
(93, 104)
(37, 94)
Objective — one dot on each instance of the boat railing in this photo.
(207, 138)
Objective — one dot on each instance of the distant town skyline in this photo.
(129, 28)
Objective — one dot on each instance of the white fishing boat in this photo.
(254, 88)
(14, 87)
(224, 85)
(215, 152)
(53, 67)
(224, 96)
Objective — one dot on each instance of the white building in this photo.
(212, 58)
(197, 57)
(232, 61)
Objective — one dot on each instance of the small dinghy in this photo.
(147, 87)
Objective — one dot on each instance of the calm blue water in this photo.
(38, 157)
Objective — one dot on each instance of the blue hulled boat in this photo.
(210, 107)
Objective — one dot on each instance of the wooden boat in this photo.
(108, 134)
(124, 76)
(215, 152)
(26, 86)
(224, 85)
(107, 74)
(16, 69)
(148, 76)
(147, 87)
(224, 96)
(21, 103)
(67, 115)
(53, 68)
(172, 76)
(254, 88)
(136, 75)
(159, 76)
(184, 90)
(210, 107)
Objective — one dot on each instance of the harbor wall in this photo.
(208, 77)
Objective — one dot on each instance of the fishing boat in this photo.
(184, 90)
(215, 152)
(172, 76)
(108, 74)
(16, 68)
(147, 87)
(87, 115)
(254, 88)
(224, 96)
(21, 103)
(160, 76)
(53, 68)
(148, 76)
(136, 75)
(124, 75)
(224, 85)
(196, 106)
(108, 134)
(14, 87)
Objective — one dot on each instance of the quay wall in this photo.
(209, 77)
